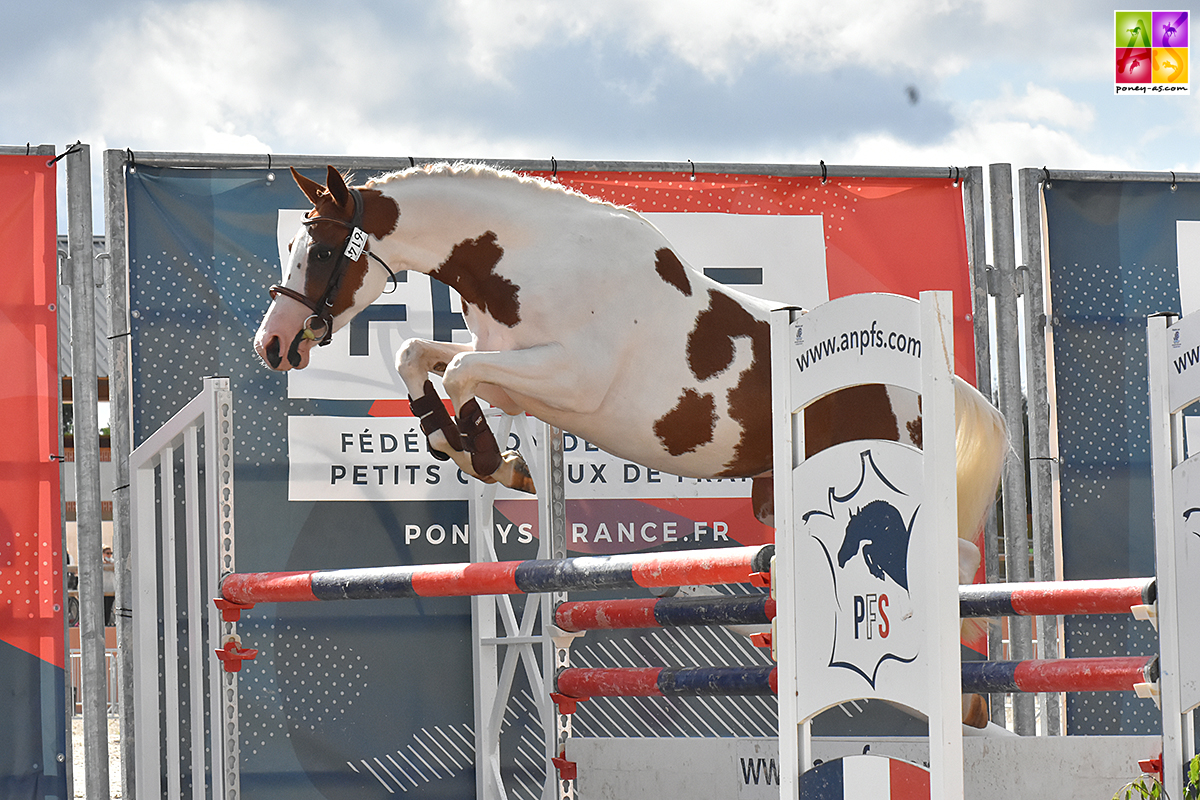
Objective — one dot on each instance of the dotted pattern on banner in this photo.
(1113, 261)
(314, 685)
(1110, 713)
(726, 194)
(200, 335)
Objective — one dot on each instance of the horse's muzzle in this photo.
(273, 354)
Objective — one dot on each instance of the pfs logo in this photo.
(864, 533)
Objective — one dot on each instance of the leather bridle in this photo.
(353, 249)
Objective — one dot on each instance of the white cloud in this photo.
(1021, 144)
(1040, 126)
(935, 38)
(1038, 104)
(231, 76)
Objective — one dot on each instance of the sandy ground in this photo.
(114, 756)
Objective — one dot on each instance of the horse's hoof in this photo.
(521, 478)
(975, 710)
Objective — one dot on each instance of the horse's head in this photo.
(330, 275)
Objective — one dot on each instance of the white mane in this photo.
(479, 170)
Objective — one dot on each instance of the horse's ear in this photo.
(312, 190)
(337, 188)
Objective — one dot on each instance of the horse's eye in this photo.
(322, 253)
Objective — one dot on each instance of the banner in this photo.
(323, 456)
(1114, 259)
(33, 757)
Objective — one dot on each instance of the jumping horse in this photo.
(584, 316)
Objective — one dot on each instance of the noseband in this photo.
(352, 250)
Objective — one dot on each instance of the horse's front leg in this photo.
(543, 373)
(469, 442)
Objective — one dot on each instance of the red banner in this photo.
(898, 235)
(31, 560)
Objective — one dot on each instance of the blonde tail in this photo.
(981, 442)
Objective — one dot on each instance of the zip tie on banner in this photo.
(824, 174)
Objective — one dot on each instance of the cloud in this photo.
(1039, 104)
(1038, 127)
(718, 39)
(746, 80)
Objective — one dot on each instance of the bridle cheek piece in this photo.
(352, 250)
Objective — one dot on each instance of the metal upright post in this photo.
(122, 445)
(787, 431)
(974, 211)
(1016, 547)
(83, 281)
(1042, 464)
(556, 655)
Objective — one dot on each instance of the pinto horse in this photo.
(584, 316)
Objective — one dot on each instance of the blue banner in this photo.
(374, 699)
(361, 699)
(1113, 260)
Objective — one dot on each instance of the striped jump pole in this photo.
(976, 600)
(978, 677)
(1116, 674)
(647, 570)
(665, 612)
(1050, 599)
(579, 683)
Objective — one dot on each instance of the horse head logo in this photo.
(863, 522)
(879, 533)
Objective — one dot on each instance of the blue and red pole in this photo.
(978, 677)
(646, 570)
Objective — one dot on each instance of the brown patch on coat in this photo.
(710, 351)
(689, 424)
(856, 412)
(750, 402)
(762, 499)
(671, 270)
(915, 432)
(381, 213)
(470, 270)
(710, 344)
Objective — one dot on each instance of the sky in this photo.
(903, 82)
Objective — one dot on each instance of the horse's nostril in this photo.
(273, 356)
(294, 351)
